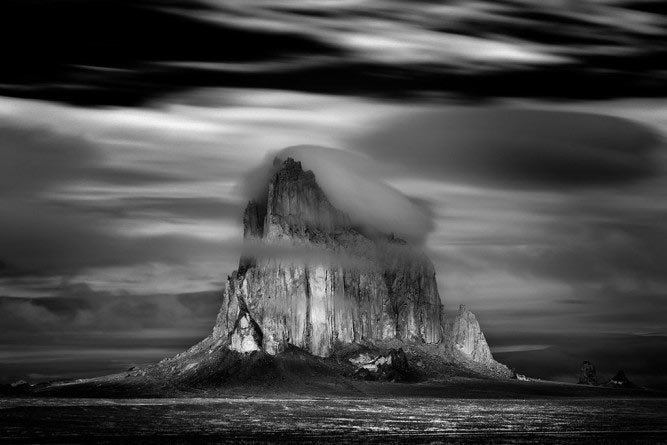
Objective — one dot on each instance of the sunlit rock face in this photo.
(246, 335)
(464, 334)
(312, 280)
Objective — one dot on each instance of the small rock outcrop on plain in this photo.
(462, 333)
(246, 335)
(587, 374)
(312, 280)
(392, 366)
(620, 380)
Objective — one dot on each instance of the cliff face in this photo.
(464, 334)
(353, 287)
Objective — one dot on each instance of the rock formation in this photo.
(620, 380)
(316, 297)
(462, 333)
(312, 280)
(392, 366)
(587, 374)
(246, 335)
(316, 304)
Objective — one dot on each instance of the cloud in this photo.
(518, 348)
(44, 242)
(88, 197)
(36, 159)
(118, 65)
(44, 232)
(82, 332)
(389, 48)
(516, 148)
(76, 307)
(159, 208)
(354, 185)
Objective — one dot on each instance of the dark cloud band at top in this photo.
(130, 52)
(91, 51)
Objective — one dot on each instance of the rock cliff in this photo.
(312, 280)
(462, 333)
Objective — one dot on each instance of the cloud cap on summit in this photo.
(354, 184)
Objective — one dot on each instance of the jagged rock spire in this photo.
(463, 333)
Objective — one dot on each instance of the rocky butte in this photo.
(317, 301)
(322, 305)
(311, 281)
(348, 287)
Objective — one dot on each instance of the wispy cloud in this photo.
(381, 47)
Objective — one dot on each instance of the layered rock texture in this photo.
(313, 280)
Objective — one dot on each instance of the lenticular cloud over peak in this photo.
(353, 184)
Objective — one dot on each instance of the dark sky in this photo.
(531, 136)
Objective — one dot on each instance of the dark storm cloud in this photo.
(517, 148)
(128, 52)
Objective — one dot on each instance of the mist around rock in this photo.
(362, 306)
(353, 184)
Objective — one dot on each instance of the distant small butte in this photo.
(320, 306)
